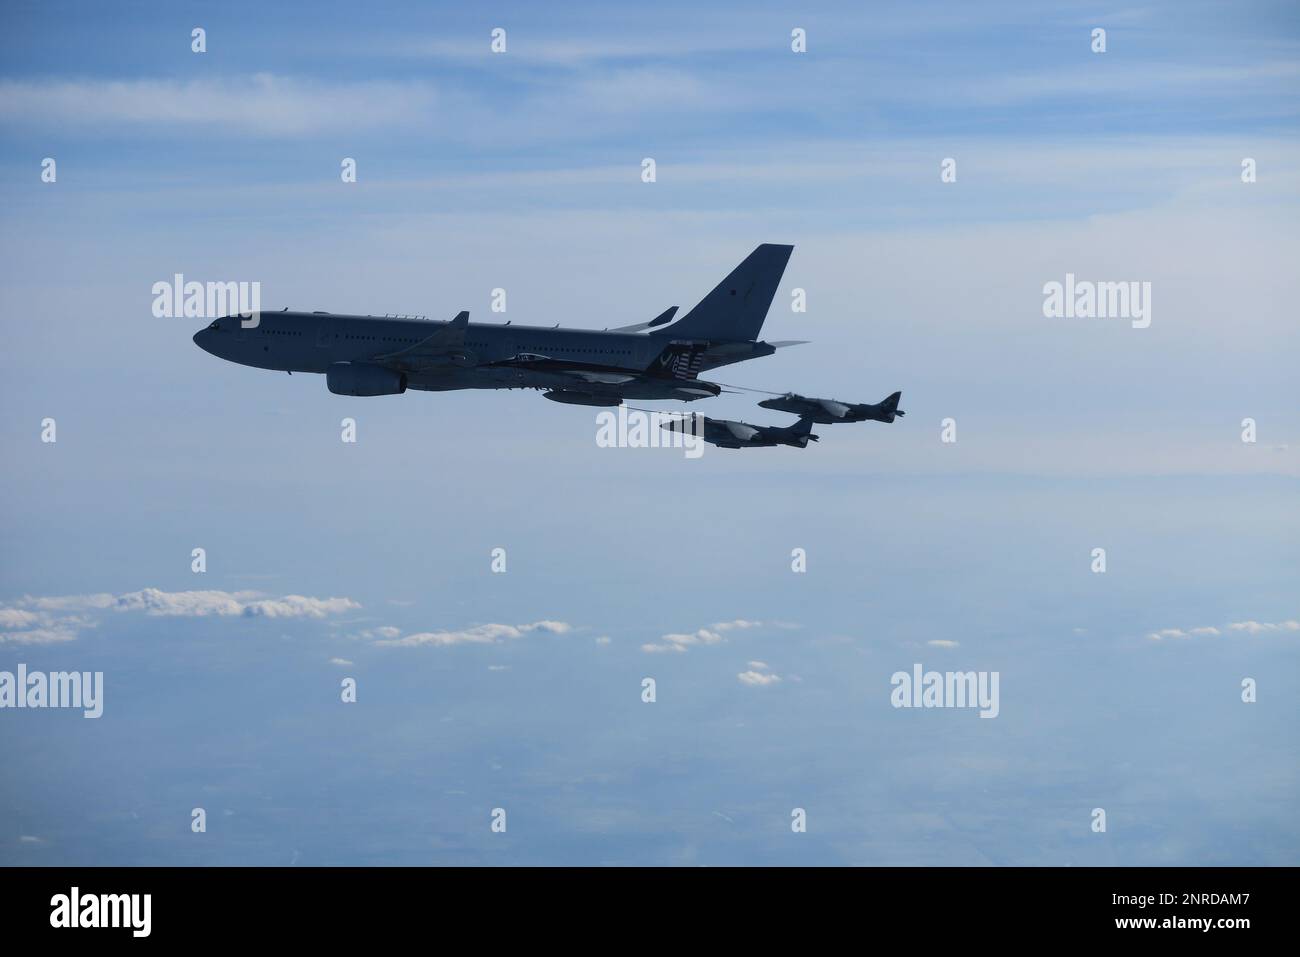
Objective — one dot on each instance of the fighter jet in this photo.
(659, 359)
(828, 411)
(726, 434)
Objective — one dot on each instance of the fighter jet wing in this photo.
(740, 430)
(446, 346)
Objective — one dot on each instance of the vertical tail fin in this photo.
(802, 431)
(738, 305)
(889, 406)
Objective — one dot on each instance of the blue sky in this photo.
(522, 171)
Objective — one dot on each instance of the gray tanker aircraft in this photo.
(742, 435)
(828, 411)
(659, 359)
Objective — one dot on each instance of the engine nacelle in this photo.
(359, 378)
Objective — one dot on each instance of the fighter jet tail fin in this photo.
(802, 431)
(890, 405)
(736, 308)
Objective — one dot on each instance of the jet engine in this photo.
(359, 378)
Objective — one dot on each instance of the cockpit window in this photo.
(216, 324)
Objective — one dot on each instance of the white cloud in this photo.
(39, 628)
(41, 636)
(943, 643)
(261, 104)
(67, 602)
(298, 606)
(45, 620)
(709, 635)
(267, 105)
(651, 648)
(1262, 627)
(340, 661)
(758, 679)
(197, 604)
(1209, 631)
(571, 51)
(488, 634)
(183, 604)
(738, 623)
(16, 618)
(1154, 78)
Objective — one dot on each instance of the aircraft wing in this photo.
(446, 346)
(582, 371)
(740, 430)
(659, 320)
(607, 378)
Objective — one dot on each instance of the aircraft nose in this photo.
(202, 339)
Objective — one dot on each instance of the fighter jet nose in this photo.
(203, 339)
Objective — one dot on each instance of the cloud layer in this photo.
(44, 620)
(759, 675)
(262, 104)
(709, 635)
(1237, 627)
(488, 634)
